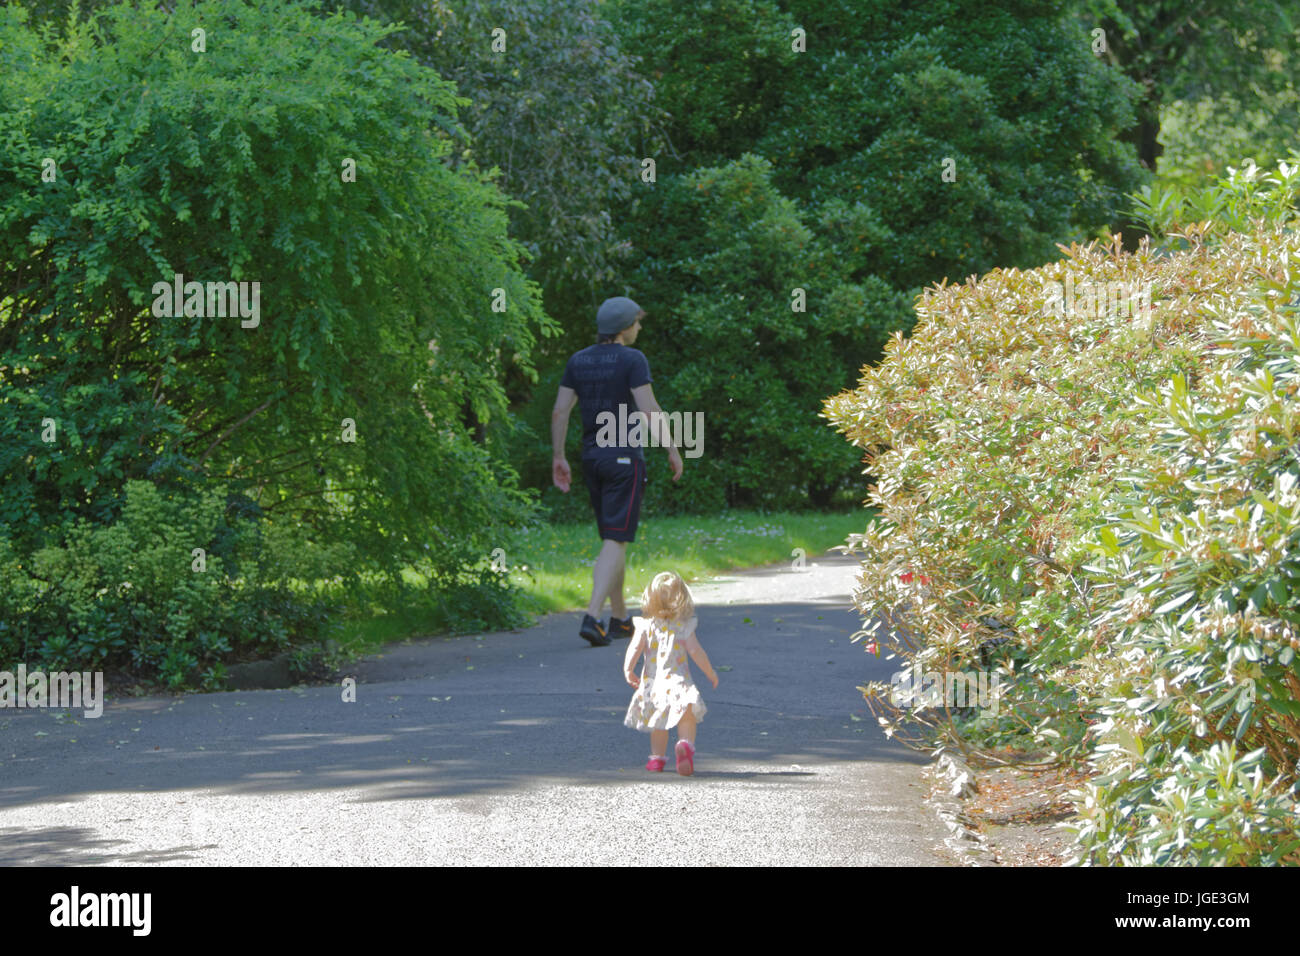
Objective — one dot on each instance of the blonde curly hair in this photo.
(667, 596)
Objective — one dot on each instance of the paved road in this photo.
(503, 748)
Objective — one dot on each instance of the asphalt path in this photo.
(495, 749)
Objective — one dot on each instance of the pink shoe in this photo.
(685, 758)
(655, 763)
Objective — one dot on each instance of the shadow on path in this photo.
(77, 846)
(473, 715)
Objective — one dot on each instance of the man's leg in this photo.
(608, 573)
(616, 487)
(616, 606)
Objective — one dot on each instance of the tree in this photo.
(917, 142)
(752, 322)
(284, 152)
(1192, 49)
(556, 104)
(885, 96)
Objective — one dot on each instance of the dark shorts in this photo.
(616, 486)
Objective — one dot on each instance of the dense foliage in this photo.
(1204, 138)
(901, 145)
(555, 104)
(1184, 52)
(1098, 502)
(133, 149)
(865, 118)
(753, 319)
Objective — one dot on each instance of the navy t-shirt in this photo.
(603, 377)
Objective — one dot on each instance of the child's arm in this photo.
(696, 650)
(635, 648)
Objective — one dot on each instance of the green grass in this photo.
(551, 567)
(552, 564)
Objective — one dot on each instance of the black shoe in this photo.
(619, 628)
(592, 632)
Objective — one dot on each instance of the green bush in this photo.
(1182, 214)
(1098, 504)
(129, 152)
(134, 594)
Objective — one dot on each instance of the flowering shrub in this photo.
(1200, 555)
(1086, 479)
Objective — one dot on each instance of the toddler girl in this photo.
(665, 694)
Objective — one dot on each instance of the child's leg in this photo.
(658, 743)
(686, 728)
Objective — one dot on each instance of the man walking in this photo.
(601, 378)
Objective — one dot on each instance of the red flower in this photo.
(906, 577)
(872, 649)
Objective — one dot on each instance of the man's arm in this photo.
(565, 399)
(645, 402)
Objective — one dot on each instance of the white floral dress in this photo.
(666, 688)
